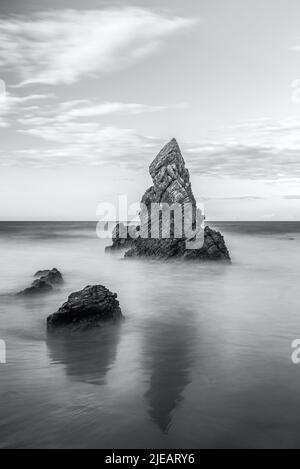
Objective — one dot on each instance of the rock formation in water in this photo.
(120, 238)
(52, 276)
(213, 249)
(171, 185)
(44, 283)
(90, 306)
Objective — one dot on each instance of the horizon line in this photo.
(128, 221)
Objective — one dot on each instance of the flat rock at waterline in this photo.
(44, 284)
(52, 276)
(93, 305)
(120, 237)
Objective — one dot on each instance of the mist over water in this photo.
(203, 358)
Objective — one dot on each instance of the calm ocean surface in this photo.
(203, 358)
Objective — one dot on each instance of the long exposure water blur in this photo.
(202, 359)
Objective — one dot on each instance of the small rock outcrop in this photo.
(93, 305)
(42, 273)
(44, 284)
(37, 287)
(171, 186)
(52, 276)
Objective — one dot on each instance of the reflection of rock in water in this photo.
(87, 355)
(169, 357)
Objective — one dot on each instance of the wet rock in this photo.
(172, 186)
(41, 273)
(213, 249)
(171, 179)
(91, 306)
(44, 284)
(52, 276)
(121, 238)
(37, 287)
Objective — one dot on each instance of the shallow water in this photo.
(203, 358)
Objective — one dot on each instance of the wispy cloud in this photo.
(70, 122)
(73, 131)
(64, 45)
(292, 197)
(75, 135)
(88, 145)
(11, 105)
(109, 108)
(244, 161)
(77, 109)
(243, 197)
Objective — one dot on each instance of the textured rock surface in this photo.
(37, 287)
(171, 179)
(171, 185)
(52, 276)
(90, 306)
(213, 249)
(42, 273)
(120, 238)
(45, 282)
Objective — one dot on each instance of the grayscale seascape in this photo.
(149, 228)
(202, 359)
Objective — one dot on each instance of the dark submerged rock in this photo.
(171, 185)
(37, 287)
(91, 306)
(41, 273)
(53, 277)
(213, 249)
(44, 284)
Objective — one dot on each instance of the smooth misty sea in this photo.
(203, 358)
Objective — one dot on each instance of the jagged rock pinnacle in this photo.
(171, 185)
(169, 154)
(171, 179)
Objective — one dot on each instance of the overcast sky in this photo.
(91, 90)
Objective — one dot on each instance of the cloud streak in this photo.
(90, 143)
(93, 146)
(11, 105)
(81, 109)
(244, 161)
(63, 46)
(69, 132)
